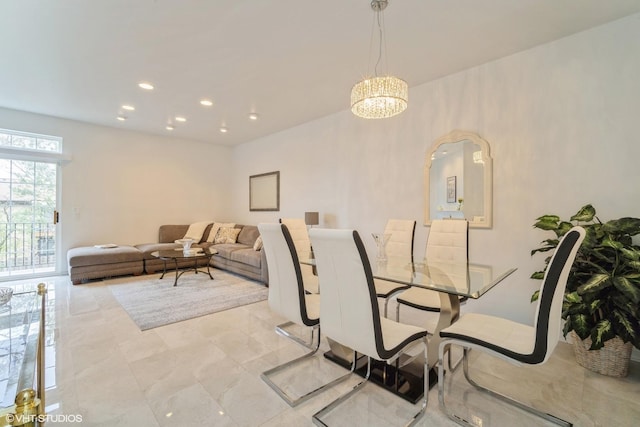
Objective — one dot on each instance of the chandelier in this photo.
(379, 97)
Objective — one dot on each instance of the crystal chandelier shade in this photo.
(379, 97)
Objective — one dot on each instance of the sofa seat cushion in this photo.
(147, 248)
(90, 255)
(226, 249)
(247, 256)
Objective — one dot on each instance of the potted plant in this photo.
(601, 308)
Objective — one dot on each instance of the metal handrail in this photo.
(28, 409)
(27, 245)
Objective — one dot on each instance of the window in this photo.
(30, 141)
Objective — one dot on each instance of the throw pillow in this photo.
(258, 244)
(196, 230)
(217, 226)
(227, 235)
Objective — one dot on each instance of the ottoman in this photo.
(89, 262)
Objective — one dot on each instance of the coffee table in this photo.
(176, 255)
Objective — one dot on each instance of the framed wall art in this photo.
(264, 192)
(451, 189)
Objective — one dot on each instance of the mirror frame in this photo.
(457, 136)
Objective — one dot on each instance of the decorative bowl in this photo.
(186, 243)
(5, 295)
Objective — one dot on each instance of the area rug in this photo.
(152, 302)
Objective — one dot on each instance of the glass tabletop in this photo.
(180, 253)
(464, 279)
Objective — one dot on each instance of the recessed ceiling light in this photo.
(122, 118)
(180, 119)
(223, 129)
(145, 85)
(169, 127)
(253, 116)
(128, 107)
(206, 102)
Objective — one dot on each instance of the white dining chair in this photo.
(511, 341)
(288, 298)
(350, 313)
(399, 246)
(448, 241)
(300, 235)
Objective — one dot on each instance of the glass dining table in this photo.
(451, 280)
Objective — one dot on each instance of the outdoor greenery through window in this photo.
(27, 202)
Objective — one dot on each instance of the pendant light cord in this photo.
(375, 70)
(378, 20)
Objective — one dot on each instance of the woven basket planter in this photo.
(612, 359)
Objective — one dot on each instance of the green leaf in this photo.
(538, 275)
(563, 227)
(628, 226)
(627, 288)
(580, 324)
(547, 222)
(585, 214)
(601, 333)
(543, 249)
(609, 242)
(595, 284)
(573, 298)
(535, 296)
(626, 328)
(630, 253)
(625, 306)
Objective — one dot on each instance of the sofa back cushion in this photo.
(197, 230)
(213, 230)
(171, 233)
(248, 235)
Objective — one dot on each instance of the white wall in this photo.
(125, 184)
(561, 121)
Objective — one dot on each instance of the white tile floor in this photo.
(206, 372)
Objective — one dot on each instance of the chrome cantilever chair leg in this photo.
(280, 330)
(386, 302)
(455, 366)
(516, 403)
(316, 417)
(282, 393)
(452, 367)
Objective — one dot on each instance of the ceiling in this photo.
(290, 61)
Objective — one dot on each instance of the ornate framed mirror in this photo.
(458, 179)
